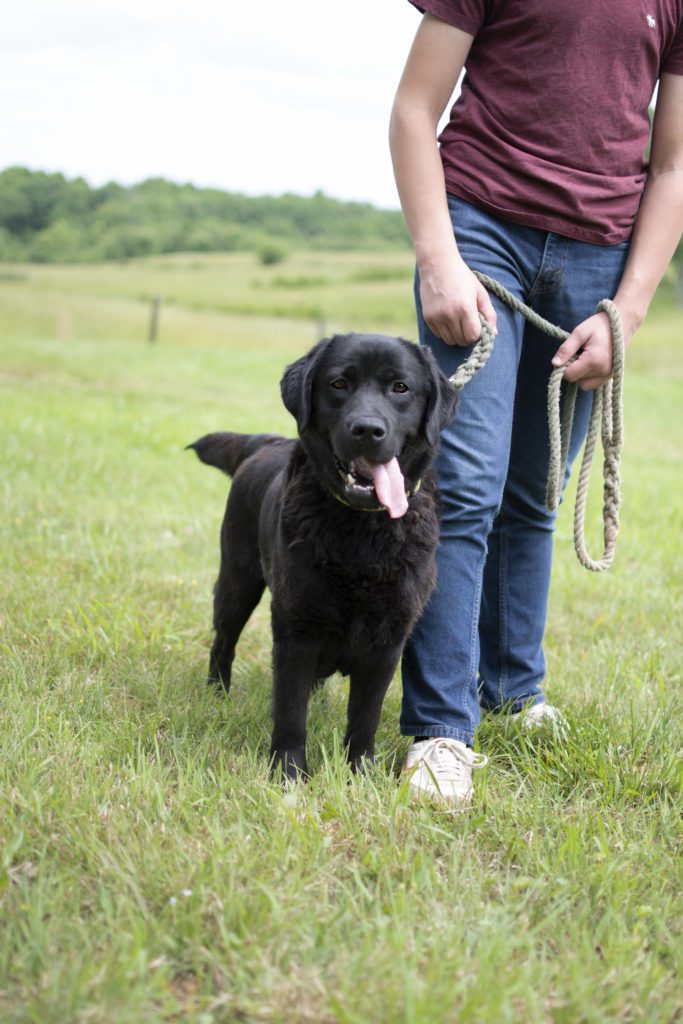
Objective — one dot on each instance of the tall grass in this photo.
(149, 871)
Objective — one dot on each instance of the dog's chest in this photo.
(357, 577)
(349, 628)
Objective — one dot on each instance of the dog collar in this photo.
(377, 508)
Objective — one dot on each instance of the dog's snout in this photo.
(368, 429)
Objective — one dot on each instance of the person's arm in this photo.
(656, 233)
(451, 296)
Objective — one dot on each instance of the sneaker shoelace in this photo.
(448, 758)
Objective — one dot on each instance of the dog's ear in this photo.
(297, 382)
(443, 398)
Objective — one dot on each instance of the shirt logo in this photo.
(651, 21)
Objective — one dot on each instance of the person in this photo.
(540, 181)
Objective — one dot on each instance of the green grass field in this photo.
(149, 870)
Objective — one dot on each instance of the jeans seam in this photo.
(474, 632)
(502, 612)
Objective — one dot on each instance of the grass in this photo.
(211, 300)
(149, 871)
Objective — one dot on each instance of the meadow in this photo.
(149, 870)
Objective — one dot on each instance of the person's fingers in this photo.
(583, 366)
(592, 383)
(587, 371)
(443, 329)
(486, 307)
(571, 345)
(470, 326)
(453, 309)
(594, 362)
(456, 330)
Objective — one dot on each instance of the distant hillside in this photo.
(47, 218)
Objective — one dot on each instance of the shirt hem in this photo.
(544, 223)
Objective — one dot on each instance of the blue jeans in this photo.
(479, 642)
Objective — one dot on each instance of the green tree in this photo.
(47, 217)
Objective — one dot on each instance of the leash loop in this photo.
(607, 417)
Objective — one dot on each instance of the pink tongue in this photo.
(389, 487)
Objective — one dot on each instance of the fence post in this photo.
(154, 319)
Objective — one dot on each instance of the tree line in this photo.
(49, 218)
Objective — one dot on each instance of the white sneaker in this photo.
(543, 714)
(442, 768)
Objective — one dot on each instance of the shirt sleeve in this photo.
(673, 62)
(467, 15)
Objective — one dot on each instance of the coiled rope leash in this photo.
(607, 413)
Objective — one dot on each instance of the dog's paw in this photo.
(289, 765)
(361, 763)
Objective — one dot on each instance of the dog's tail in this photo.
(228, 451)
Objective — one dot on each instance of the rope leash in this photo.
(607, 415)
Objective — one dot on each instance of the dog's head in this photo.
(369, 409)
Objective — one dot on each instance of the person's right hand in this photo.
(452, 299)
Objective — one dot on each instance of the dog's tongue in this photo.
(389, 487)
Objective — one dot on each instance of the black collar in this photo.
(376, 508)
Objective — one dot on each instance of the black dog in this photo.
(341, 524)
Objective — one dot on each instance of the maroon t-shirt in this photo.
(552, 122)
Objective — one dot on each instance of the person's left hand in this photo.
(593, 368)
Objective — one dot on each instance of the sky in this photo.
(261, 98)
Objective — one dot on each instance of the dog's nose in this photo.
(368, 429)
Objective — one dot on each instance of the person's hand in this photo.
(592, 339)
(452, 299)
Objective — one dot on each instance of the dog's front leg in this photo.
(294, 668)
(370, 679)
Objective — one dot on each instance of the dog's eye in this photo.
(400, 388)
(339, 384)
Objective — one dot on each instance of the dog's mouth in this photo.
(367, 483)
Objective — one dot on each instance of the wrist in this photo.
(633, 296)
(632, 310)
(430, 259)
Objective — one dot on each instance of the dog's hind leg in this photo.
(238, 590)
(370, 679)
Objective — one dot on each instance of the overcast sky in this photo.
(261, 97)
